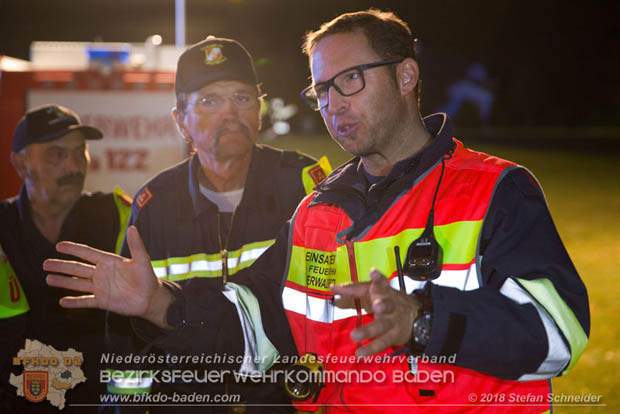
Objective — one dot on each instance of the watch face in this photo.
(422, 329)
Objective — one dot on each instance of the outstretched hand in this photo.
(394, 312)
(124, 286)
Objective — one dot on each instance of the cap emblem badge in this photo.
(213, 54)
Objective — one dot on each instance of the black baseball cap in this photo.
(213, 59)
(49, 122)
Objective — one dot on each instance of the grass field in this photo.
(583, 193)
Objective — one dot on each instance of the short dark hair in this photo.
(389, 36)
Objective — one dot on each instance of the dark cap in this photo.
(213, 59)
(49, 122)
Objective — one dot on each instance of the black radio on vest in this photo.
(425, 256)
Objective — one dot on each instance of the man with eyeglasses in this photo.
(417, 247)
(215, 213)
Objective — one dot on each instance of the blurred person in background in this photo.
(475, 89)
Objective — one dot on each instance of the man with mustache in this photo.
(215, 213)
(50, 154)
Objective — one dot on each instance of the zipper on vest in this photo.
(354, 279)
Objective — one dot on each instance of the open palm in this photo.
(117, 284)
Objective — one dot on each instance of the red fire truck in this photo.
(125, 90)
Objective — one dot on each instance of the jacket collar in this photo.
(251, 190)
(199, 202)
(23, 204)
(349, 188)
(67, 232)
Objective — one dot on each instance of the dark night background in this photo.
(552, 63)
(554, 66)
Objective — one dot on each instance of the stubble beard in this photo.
(380, 136)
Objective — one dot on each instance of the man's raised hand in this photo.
(124, 286)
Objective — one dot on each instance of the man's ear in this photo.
(407, 76)
(19, 163)
(179, 119)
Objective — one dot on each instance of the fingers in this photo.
(71, 268)
(378, 283)
(343, 302)
(384, 333)
(383, 305)
(82, 251)
(392, 311)
(370, 330)
(378, 345)
(376, 276)
(386, 318)
(393, 317)
(136, 246)
(371, 292)
(355, 290)
(71, 302)
(72, 283)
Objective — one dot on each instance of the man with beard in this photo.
(50, 154)
(215, 213)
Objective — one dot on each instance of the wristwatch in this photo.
(423, 323)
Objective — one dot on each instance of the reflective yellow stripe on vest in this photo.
(546, 294)
(13, 300)
(458, 241)
(123, 205)
(317, 269)
(209, 265)
(455, 238)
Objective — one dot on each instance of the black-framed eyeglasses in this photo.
(347, 82)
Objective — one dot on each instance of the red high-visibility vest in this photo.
(318, 258)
